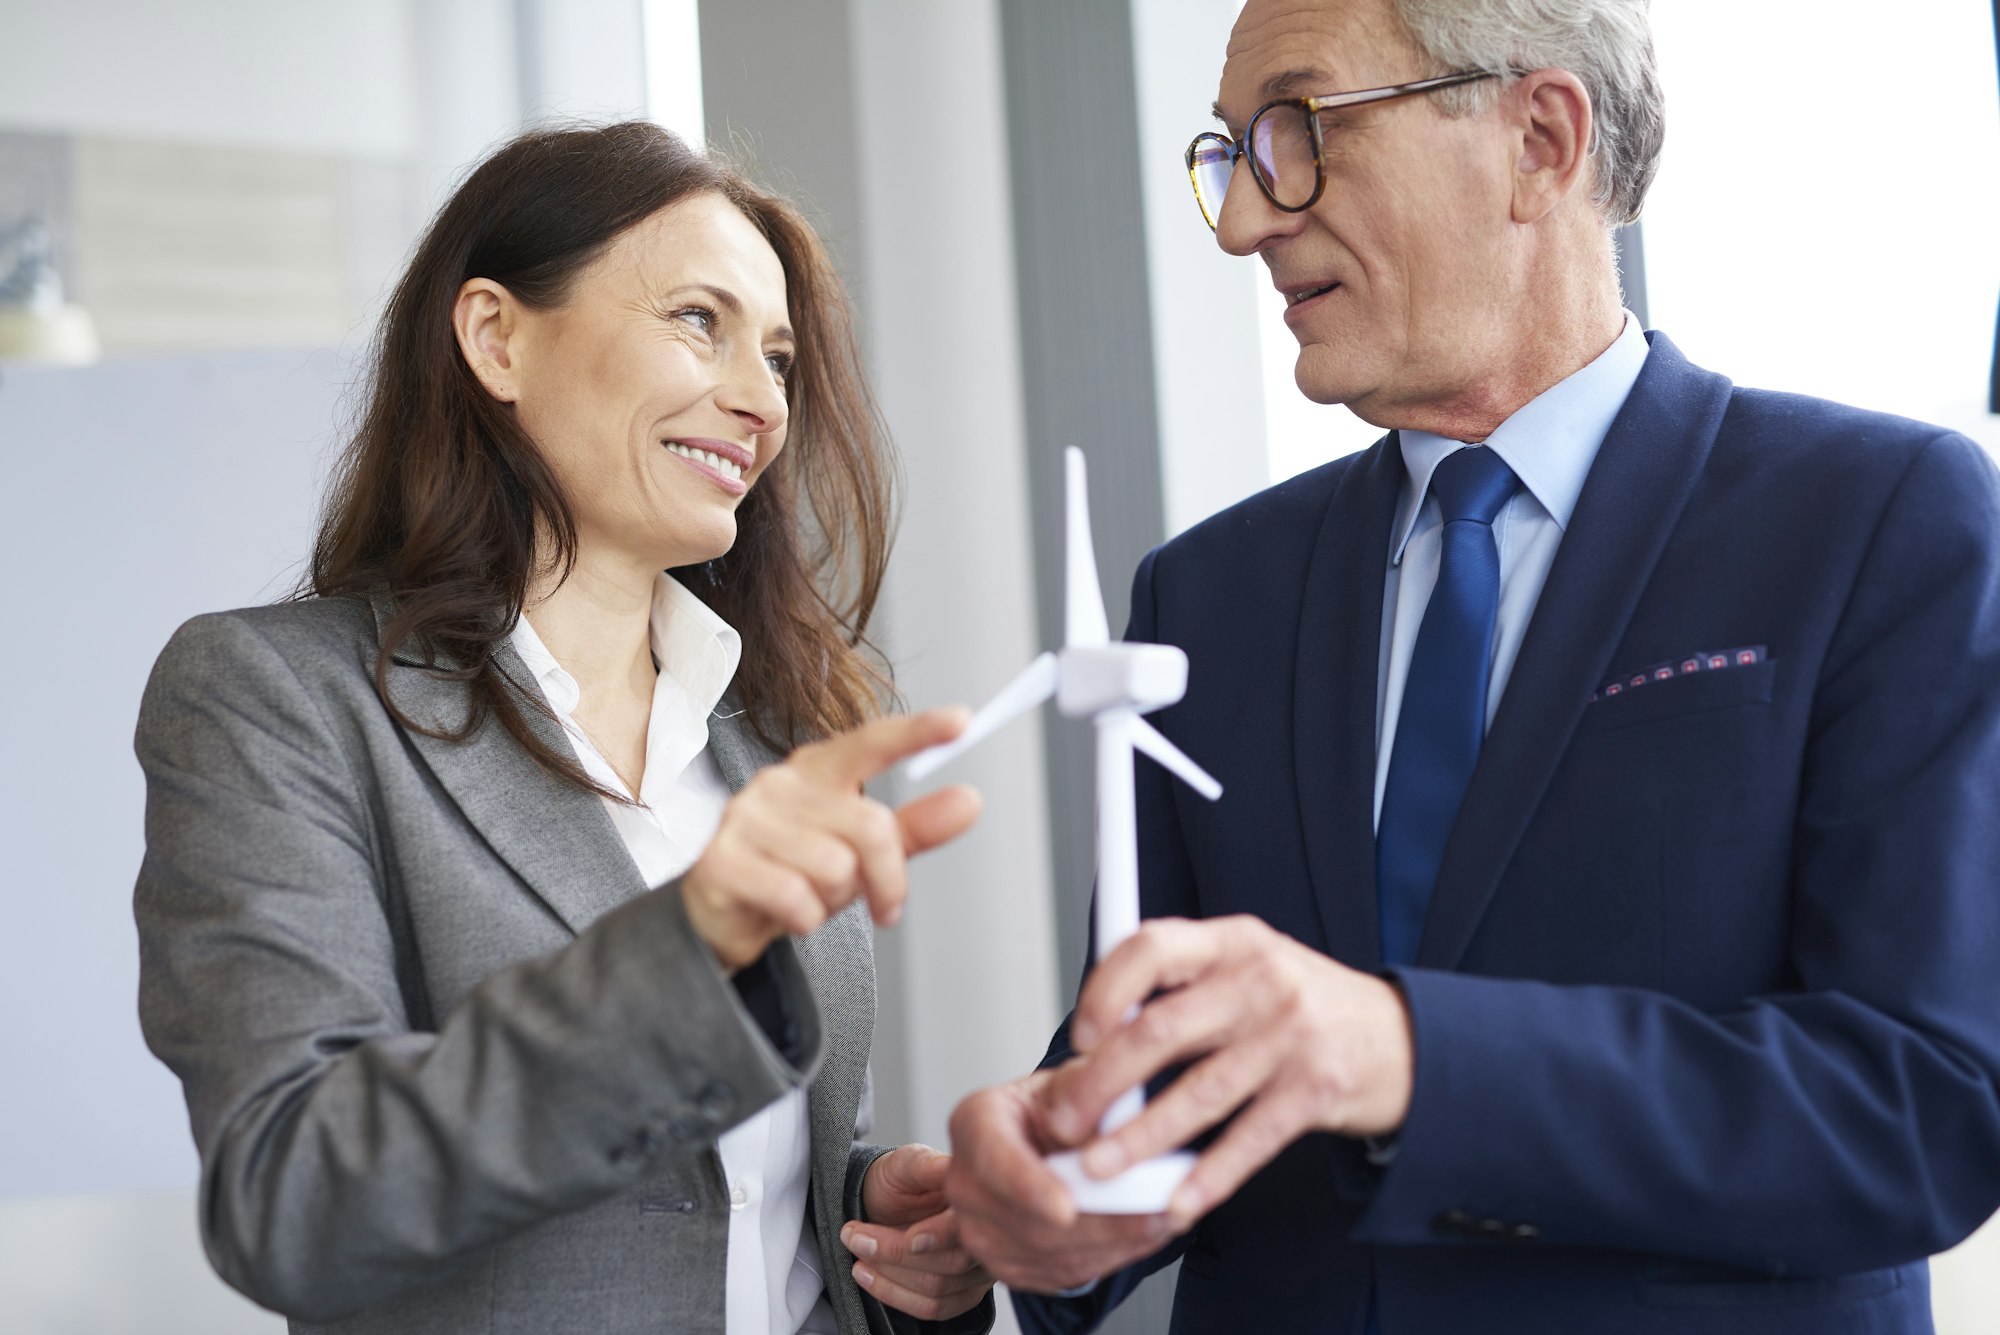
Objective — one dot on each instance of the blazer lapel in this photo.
(1644, 473)
(1333, 706)
(737, 751)
(838, 958)
(557, 837)
(839, 965)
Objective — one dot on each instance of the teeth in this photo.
(727, 467)
(1308, 296)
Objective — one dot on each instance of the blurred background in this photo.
(202, 206)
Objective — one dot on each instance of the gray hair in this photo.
(1607, 44)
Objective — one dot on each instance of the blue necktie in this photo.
(1443, 717)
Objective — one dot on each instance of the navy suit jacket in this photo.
(1707, 1007)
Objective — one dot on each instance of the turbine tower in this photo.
(1111, 683)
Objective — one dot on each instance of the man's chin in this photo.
(1326, 379)
(1331, 388)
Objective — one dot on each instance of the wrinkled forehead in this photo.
(704, 240)
(1304, 48)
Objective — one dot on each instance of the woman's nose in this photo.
(756, 397)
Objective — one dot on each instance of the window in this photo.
(1824, 215)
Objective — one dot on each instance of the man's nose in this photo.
(1249, 221)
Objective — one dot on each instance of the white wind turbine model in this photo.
(1112, 684)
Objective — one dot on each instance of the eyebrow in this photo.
(1281, 86)
(730, 302)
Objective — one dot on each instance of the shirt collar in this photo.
(691, 644)
(1550, 442)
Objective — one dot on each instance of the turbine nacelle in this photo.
(1139, 677)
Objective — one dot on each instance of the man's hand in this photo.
(801, 841)
(911, 1257)
(1015, 1215)
(1297, 1041)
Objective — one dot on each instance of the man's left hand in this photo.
(910, 1254)
(1297, 1041)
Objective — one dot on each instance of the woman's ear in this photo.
(486, 320)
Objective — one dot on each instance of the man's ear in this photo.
(1555, 121)
(486, 320)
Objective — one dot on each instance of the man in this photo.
(1600, 929)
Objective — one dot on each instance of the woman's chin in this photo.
(710, 546)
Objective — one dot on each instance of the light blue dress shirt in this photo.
(1550, 443)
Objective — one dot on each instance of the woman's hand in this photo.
(802, 841)
(911, 1257)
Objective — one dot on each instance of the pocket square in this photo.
(1704, 660)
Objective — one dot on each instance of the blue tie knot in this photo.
(1472, 483)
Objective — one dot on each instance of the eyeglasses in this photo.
(1283, 144)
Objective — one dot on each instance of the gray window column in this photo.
(1086, 356)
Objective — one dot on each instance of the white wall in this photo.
(1823, 220)
(673, 66)
(140, 493)
(115, 1264)
(1207, 336)
(583, 58)
(468, 90)
(333, 78)
(977, 946)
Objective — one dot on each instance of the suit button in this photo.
(1523, 1233)
(1452, 1223)
(1492, 1230)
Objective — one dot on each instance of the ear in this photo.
(486, 319)
(1554, 119)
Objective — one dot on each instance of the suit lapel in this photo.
(557, 838)
(1642, 478)
(1333, 705)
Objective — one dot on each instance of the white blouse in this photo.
(774, 1284)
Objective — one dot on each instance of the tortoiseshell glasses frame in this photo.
(1215, 155)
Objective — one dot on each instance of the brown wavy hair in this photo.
(439, 496)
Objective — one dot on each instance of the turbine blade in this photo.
(1035, 684)
(1154, 743)
(1083, 607)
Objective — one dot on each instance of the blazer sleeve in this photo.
(347, 1153)
(1851, 1123)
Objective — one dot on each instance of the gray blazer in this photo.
(451, 1066)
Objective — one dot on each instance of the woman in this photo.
(451, 1064)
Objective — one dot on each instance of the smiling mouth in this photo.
(729, 468)
(1309, 294)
